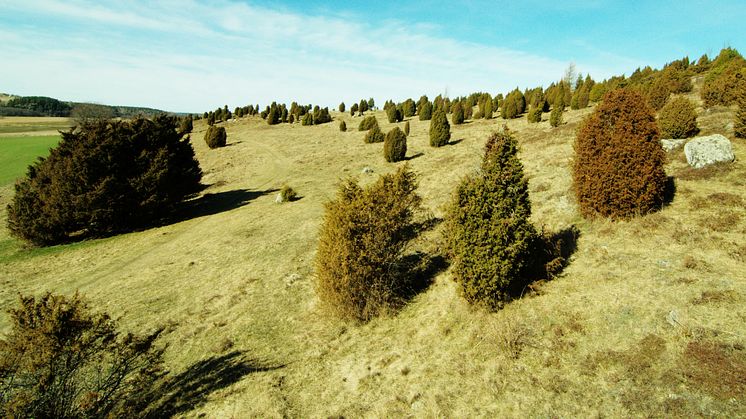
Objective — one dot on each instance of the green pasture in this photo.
(17, 153)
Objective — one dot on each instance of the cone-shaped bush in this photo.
(342, 126)
(440, 130)
(104, 178)
(406, 128)
(426, 111)
(215, 136)
(678, 119)
(374, 135)
(618, 168)
(555, 117)
(490, 239)
(342, 107)
(534, 115)
(307, 119)
(363, 236)
(457, 114)
(367, 123)
(487, 114)
(395, 145)
(393, 114)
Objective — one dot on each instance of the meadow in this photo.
(646, 320)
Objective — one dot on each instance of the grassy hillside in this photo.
(647, 319)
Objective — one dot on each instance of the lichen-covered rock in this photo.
(671, 144)
(707, 150)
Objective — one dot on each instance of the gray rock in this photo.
(707, 150)
(278, 199)
(671, 144)
(367, 170)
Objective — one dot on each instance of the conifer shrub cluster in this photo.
(103, 178)
(727, 73)
(215, 137)
(62, 360)
(618, 168)
(374, 135)
(362, 241)
(367, 123)
(490, 239)
(393, 113)
(514, 105)
(395, 145)
(307, 119)
(678, 119)
(342, 126)
(426, 111)
(440, 129)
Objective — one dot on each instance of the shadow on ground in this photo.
(191, 389)
(215, 203)
(552, 254)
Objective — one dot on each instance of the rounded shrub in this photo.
(287, 194)
(678, 119)
(60, 359)
(186, 126)
(395, 145)
(307, 119)
(618, 168)
(367, 123)
(104, 177)
(374, 135)
(342, 126)
(363, 237)
(440, 130)
(490, 239)
(215, 136)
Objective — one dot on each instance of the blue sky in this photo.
(191, 56)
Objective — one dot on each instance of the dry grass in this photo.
(594, 342)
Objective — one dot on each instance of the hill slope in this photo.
(648, 318)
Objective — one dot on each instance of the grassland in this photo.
(647, 320)
(16, 153)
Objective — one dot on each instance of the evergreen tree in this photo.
(406, 128)
(487, 114)
(395, 145)
(555, 118)
(426, 111)
(490, 238)
(371, 103)
(354, 108)
(457, 114)
(739, 126)
(440, 130)
(342, 107)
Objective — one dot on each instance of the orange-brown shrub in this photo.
(618, 169)
(678, 119)
(363, 237)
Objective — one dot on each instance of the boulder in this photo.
(671, 144)
(707, 150)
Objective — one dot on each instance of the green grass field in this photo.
(16, 153)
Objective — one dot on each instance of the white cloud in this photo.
(186, 56)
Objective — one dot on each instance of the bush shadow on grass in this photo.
(214, 203)
(454, 142)
(552, 254)
(414, 156)
(418, 269)
(669, 191)
(190, 389)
